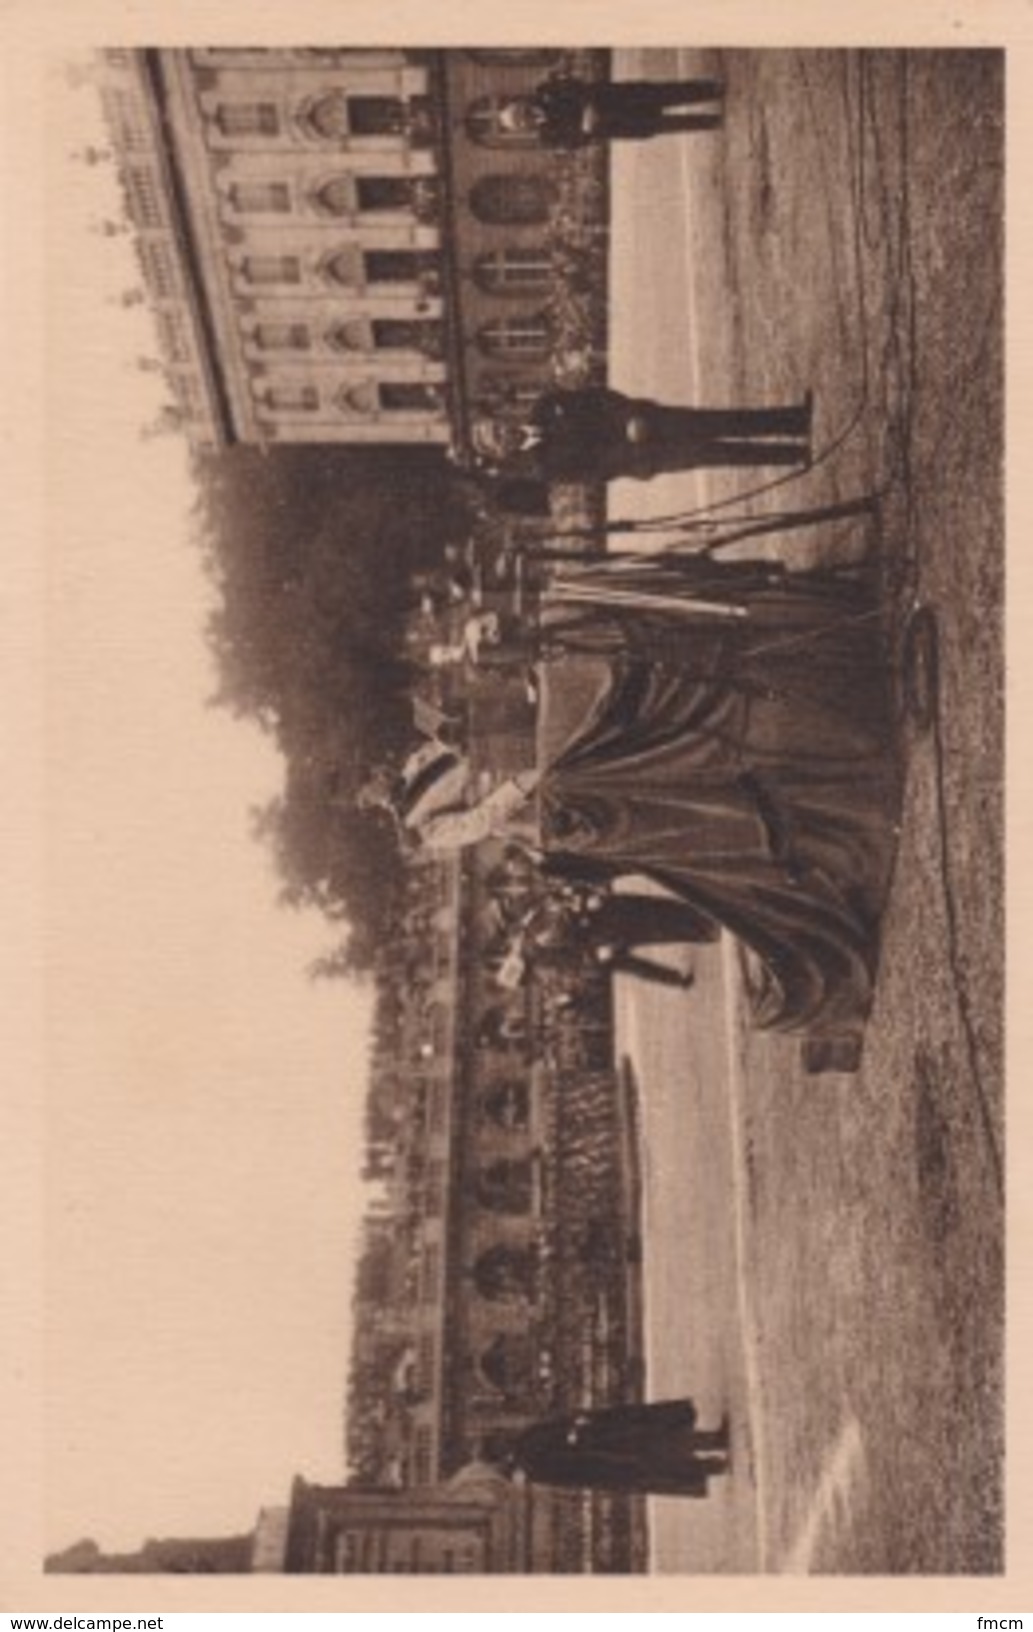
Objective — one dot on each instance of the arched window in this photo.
(513, 271)
(515, 58)
(505, 1272)
(506, 1186)
(510, 896)
(521, 198)
(507, 1103)
(328, 117)
(398, 397)
(344, 195)
(424, 336)
(500, 121)
(508, 1362)
(336, 116)
(515, 337)
(337, 196)
(345, 266)
(360, 399)
(353, 336)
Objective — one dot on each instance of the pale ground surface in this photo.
(825, 1255)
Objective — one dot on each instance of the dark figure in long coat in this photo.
(612, 927)
(594, 434)
(739, 750)
(628, 920)
(652, 1449)
(567, 112)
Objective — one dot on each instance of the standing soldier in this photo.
(655, 1448)
(567, 112)
(592, 433)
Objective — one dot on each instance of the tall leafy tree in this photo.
(310, 550)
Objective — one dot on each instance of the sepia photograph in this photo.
(524, 813)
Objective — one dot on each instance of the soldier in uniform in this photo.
(652, 1449)
(567, 112)
(595, 434)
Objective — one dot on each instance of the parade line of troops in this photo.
(738, 751)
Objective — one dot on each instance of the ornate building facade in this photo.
(340, 245)
(352, 247)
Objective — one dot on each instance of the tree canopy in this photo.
(311, 550)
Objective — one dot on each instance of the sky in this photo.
(204, 1097)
